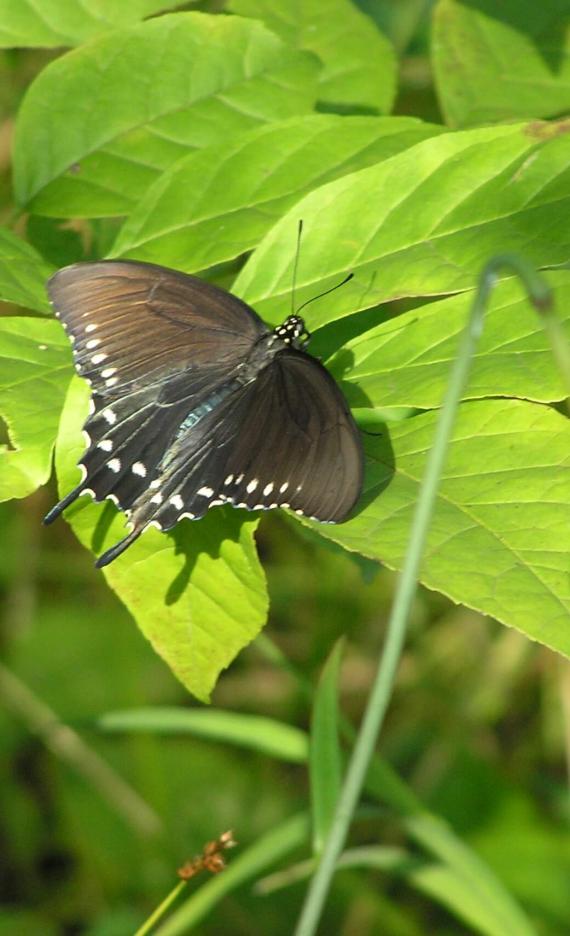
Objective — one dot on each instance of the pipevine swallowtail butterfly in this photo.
(196, 402)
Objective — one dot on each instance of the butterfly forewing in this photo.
(155, 345)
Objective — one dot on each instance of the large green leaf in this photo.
(217, 203)
(34, 376)
(100, 123)
(501, 61)
(198, 594)
(25, 23)
(421, 223)
(23, 273)
(406, 361)
(500, 537)
(359, 62)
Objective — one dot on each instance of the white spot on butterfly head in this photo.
(252, 486)
(114, 465)
(205, 492)
(176, 501)
(106, 445)
(139, 469)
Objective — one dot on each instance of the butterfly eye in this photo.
(191, 408)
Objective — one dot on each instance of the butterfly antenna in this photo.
(326, 292)
(295, 265)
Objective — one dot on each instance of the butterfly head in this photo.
(292, 332)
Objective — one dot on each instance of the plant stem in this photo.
(539, 294)
(161, 909)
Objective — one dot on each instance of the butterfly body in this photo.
(197, 403)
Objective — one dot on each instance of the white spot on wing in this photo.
(92, 343)
(98, 358)
(139, 469)
(283, 487)
(154, 484)
(252, 486)
(106, 445)
(229, 479)
(205, 492)
(157, 498)
(109, 416)
(268, 489)
(176, 501)
(90, 328)
(108, 372)
(114, 465)
(111, 381)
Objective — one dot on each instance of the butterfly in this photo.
(195, 402)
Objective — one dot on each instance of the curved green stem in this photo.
(539, 294)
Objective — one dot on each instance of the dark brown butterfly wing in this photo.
(287, 439)
(155, 345)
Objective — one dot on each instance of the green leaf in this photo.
(478, 898)
(325, 760)
(25, 23)
(501, 61)
(271, 737)
(406, 361)
(91, 135)
(198, 594)
(23, 273)
(421, 223)
(464, 882)
(359, 62)
(34, 377)
(249, 183)
(500, 537)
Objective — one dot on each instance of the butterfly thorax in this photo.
(291, 334)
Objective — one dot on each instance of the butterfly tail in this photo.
(59, 508)
(118, 548)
